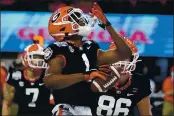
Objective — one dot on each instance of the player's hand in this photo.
(105, 70)
(94, 74)
(97, 11)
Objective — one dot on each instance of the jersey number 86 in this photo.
(111, 103)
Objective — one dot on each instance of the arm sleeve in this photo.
(53, 50)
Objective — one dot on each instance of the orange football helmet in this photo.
(33, 57)
(67, 21)
(127, 65)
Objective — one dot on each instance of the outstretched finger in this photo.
(96, 6)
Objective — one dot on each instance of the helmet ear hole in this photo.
(62, 29)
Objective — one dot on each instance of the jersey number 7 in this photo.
(35, 92)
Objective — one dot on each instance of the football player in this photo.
(123, 97)
(71, 60)
(25, 87)
(127, 94)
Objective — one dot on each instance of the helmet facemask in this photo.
(127, 65)
(33, 57)
(36, 60)
(84, 23)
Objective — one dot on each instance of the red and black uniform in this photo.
(116, 103)
(32, 97)
(77, 60)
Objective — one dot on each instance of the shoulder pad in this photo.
(61, 44)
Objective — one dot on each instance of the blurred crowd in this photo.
(161, 81)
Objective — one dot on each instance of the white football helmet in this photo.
(33, 57)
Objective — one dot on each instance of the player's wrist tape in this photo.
(87, 74)
(102, 25)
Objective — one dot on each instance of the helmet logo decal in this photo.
(55, 17)
(69, 10)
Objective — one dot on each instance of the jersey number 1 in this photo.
(35, 92)
(86, 61)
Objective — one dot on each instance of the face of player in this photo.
(78, 18)
(36, 62)
(82, 21)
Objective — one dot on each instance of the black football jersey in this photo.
(31, 97)
(116, 103)
(78, 60)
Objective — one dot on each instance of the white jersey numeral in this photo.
(35, 92)
(86, 61)
(111, 103)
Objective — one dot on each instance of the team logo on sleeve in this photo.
(16, 75)
(47, 53)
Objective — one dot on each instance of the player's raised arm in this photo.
(122, 52)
